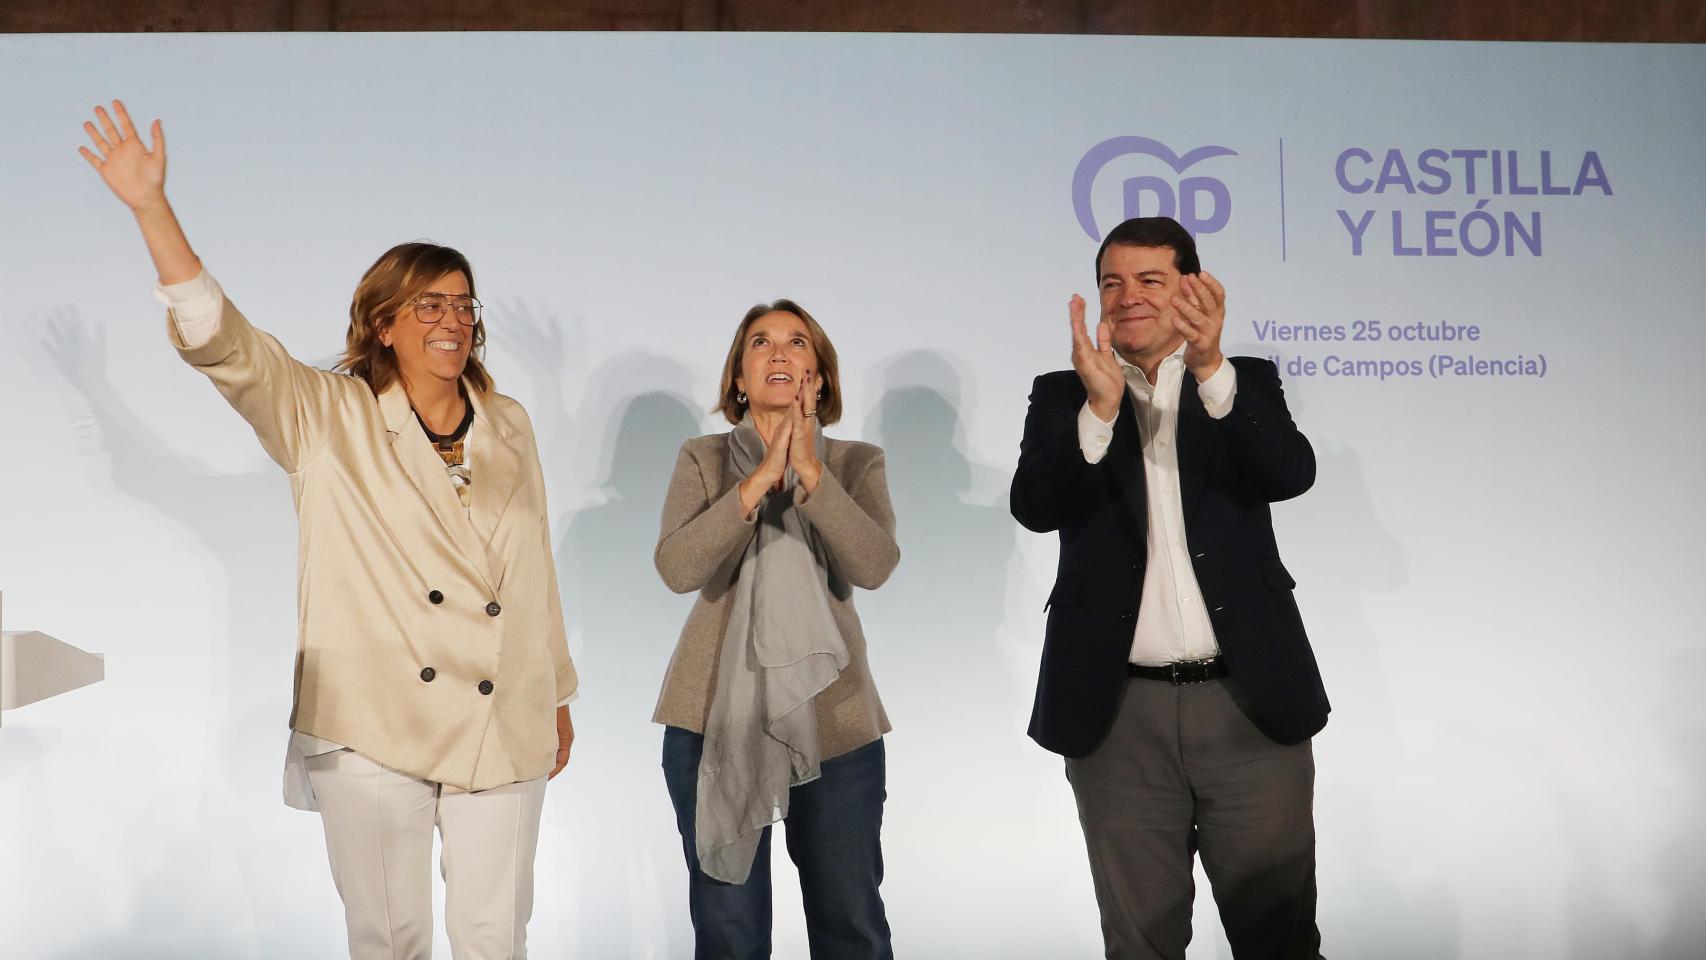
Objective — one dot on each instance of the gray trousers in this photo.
(1183, 771)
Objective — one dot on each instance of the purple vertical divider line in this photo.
(1282, 198)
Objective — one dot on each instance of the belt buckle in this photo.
(1197, 671)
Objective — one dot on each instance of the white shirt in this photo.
(1172, 620)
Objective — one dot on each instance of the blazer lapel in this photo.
(1125, 456)
(425, 469)
(497, 467)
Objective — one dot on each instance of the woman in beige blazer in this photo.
(769, 707)
(432, 671)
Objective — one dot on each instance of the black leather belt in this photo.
(1185, 671)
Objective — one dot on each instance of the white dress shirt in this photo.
(1172, 620)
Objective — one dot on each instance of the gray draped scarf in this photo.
(781, 649)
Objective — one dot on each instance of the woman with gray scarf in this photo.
(769, 709)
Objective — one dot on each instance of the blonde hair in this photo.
(401, 274)
(828, 406)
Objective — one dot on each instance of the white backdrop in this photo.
(1500, 572)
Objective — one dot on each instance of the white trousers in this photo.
(379, 827)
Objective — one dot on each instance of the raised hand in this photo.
(1095, 363)
(802, 448)
(1201, 305)
(136, 174)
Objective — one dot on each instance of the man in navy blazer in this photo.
(1176, 676)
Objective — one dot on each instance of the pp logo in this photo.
(1184, 204)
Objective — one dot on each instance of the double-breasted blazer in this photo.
(702, 539)
(1230, 470)
(430, 636)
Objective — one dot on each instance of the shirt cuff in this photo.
(1218, 391)
(196, 305)
(571, 698)
(1094, 433)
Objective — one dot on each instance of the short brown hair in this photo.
(1162, 232)
(828, 407)
(401, 274)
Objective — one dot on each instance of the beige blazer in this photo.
(430, 637)
(700, 546)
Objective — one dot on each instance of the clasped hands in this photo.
(1198, 318)
(791, 443)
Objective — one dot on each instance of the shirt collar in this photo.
(1134, 375)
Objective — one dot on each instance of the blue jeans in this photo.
(834, 826)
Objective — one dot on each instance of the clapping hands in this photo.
(1098, 368)
(1201, 306)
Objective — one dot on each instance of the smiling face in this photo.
(775, 354)
(1138, 285)
(431, 351)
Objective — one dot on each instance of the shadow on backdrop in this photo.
(1359, 836)
(631, 884)
(1682, 871)
(245, 523)
(953, 681)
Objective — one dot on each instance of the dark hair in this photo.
(1154, 232)
(828, 366)
(401, 274)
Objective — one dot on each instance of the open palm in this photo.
(136, 174)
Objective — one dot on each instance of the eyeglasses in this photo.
(431, 308)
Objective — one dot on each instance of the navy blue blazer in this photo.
(1229, 471)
